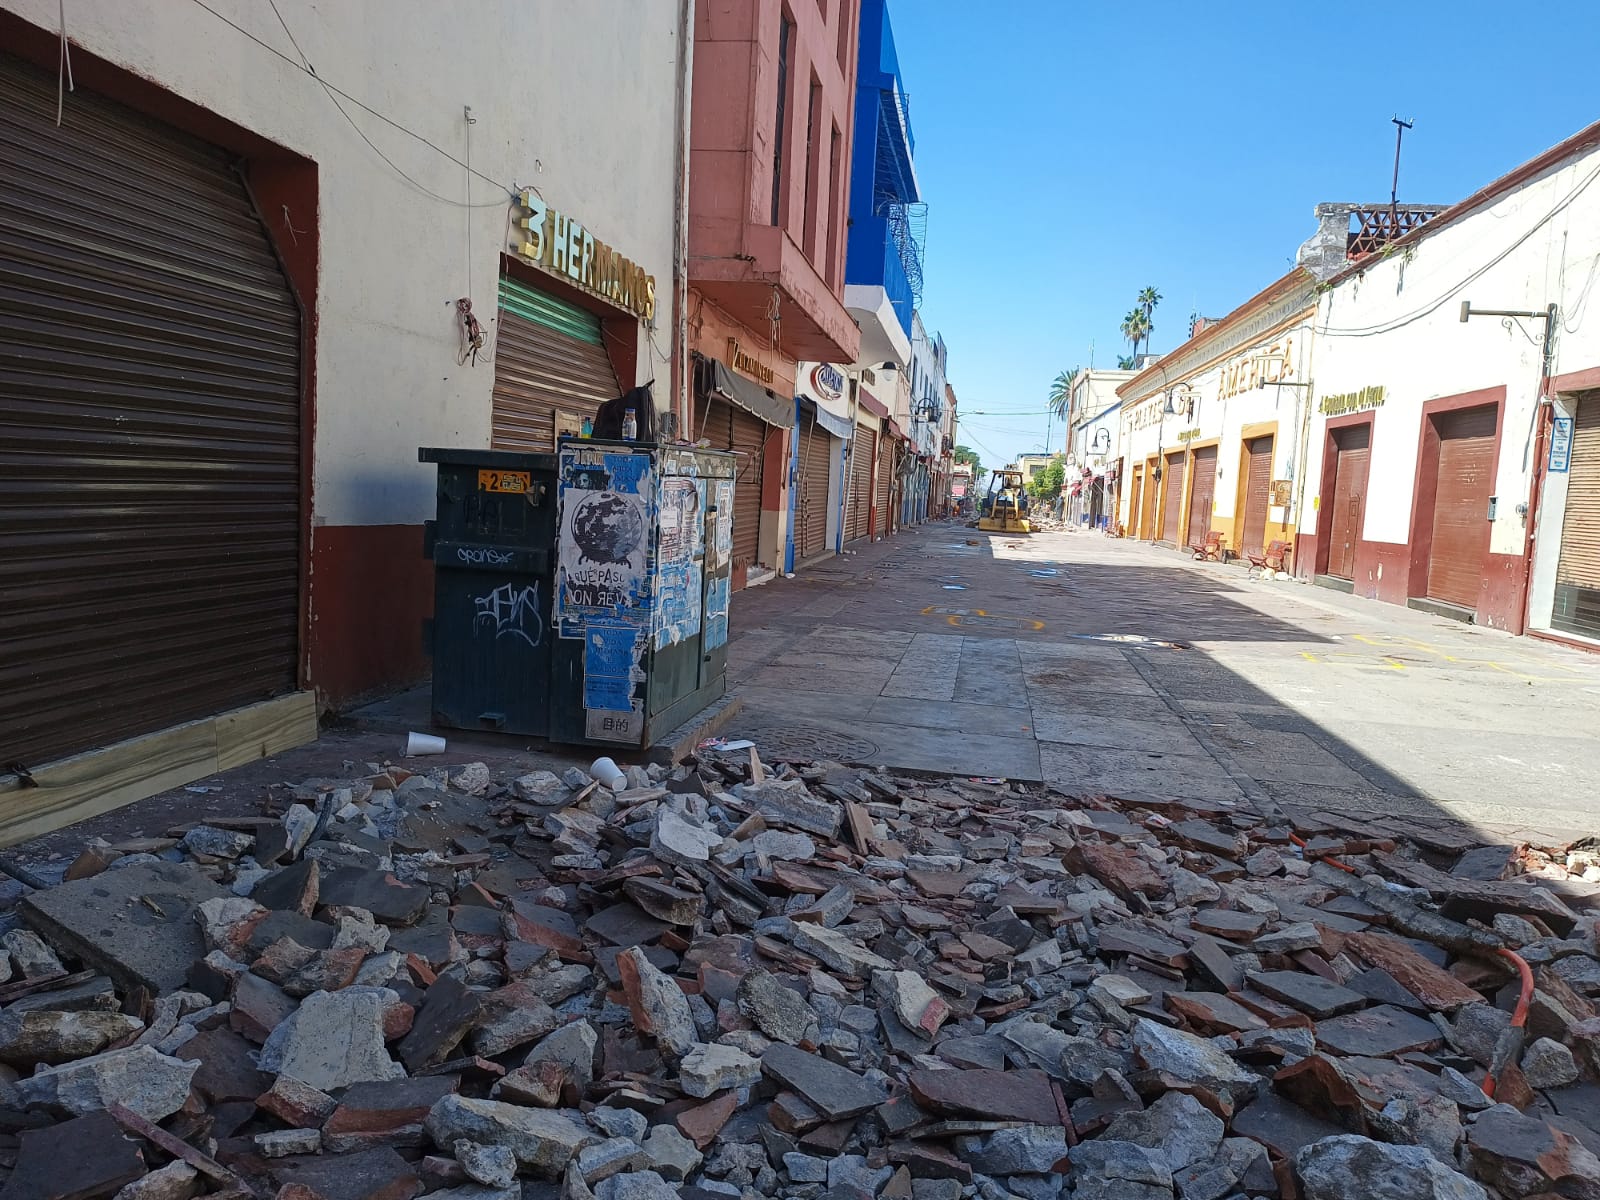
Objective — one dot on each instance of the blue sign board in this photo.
(1561, 444)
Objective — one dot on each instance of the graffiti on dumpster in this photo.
(510, 611)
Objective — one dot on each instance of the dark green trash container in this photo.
(492, 544)
(581, 596)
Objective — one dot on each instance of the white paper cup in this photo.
(424, 743)
(609, 774)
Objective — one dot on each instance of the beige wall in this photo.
(574, 99)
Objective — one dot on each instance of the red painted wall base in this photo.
(370, 591)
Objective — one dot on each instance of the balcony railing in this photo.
(1377, 226)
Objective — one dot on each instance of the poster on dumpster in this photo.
(717, 613)
(612, 650)
(722, 537)
(606, 511)
(677, 610)
(680, 538)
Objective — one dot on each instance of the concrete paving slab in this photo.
(1093, 770)
(969, 718)
(862, 679)
(905, 747)
(990, 672)
(1163, 737)
(927, 669)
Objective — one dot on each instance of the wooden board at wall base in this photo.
(98, 781)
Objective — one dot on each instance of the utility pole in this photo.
(1400, 128)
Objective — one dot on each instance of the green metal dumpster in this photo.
(491, 542)
(589, 607)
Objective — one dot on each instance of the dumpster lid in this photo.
(525, 460)
(756, 400)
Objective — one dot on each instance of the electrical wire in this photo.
(335, 93)
(1394, 323)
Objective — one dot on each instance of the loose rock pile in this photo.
(726, 980)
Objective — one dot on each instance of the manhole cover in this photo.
(809, 745)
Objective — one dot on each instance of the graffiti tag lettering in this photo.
(483, 556)
(511, 611)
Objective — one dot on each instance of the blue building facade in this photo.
(884, 252)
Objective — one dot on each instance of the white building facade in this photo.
(1455, 457)
(1094, 447)
(1214, 434)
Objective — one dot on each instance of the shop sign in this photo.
(1147, 414)
(1561, 444)
(1188, 435)
(1349, 402)
(1251, 371)
(827, 381)
(560, 244)
(1282, 492)
(748, 364)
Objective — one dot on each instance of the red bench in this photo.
(1271, 559)
(1211, 550)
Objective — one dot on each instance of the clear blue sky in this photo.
(1072, 153)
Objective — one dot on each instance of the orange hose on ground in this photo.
(1519, 1015)
(1329, 859)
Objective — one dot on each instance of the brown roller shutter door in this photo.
(549, 356)
(1202, 492)
(1352, 454)
(1461, 505)
(1172, 497)
(859, 501)
(1577, 608)
(150, 425)
(884, 484)
(729, 427)
(1257, 494)
(816, 464)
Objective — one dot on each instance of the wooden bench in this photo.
(1211, 550)
(1269, 560)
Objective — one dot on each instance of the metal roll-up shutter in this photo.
(729, 427)
(1135, 500)
(150, 426)
(1461, 505)
(1202, 492)
(549, 357)
(1577, 608)
(1147, 508)
(1352, 454)
(859, 501)
(1172, 497)
(816, 469)
(883, 483)
(1257, 495)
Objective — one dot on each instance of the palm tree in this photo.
(1125, 362)
(1060, 398)
(1148, 299)
(1136, 326)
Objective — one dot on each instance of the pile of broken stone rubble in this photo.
(814, 981)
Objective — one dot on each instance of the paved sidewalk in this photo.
(1041, 658)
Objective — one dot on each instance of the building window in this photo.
(846, 24)
(809, 229)
(834, 217)
(785, 42)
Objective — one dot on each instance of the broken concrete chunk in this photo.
(207, 841)
(175, 1181)
(86, 1157)
(789, 803)
(659, 1006)
(543, 1142)
(335, 1039)
(836, 1092)
(1350, 1167)
(141, 1079)
(676, 840)
(492, 1166)
(43, 1036)
(838, 951)
(708, 1069)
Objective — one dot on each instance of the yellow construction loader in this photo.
(1005, 507)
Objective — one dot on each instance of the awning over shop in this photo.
(839, 426)
(714, 378)
(894, 427)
